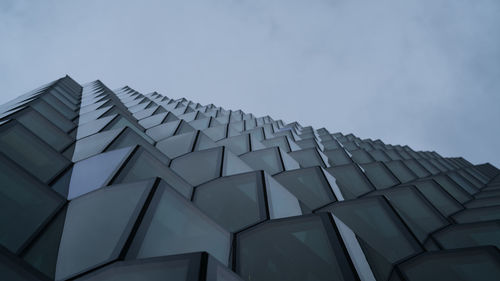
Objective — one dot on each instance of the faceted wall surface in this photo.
(100, 184)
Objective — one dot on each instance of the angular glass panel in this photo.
(337, 157)
(53, 116)
(307, 158)
(200, 124)
(44, 129)
(94, 144)
(281, 203)
(59, 106)
(218, 272)
(233, 165)
(172, 268)
(382, 235)
(177, 145)
(484, 202)
(129, 138)
(143, 166)
(199, 166)
(416, 168)
(93, 232)
(121, 122)
(216, 133)
(351, 180)
(330, 144)
(418, 214)
(469, 235)
(153, 120)
(401, 171)
(472, 179)
(238, 144)
(429, 166)
(184, 127)
(477, 214)
(28, 151)
(297, 249)
(452, 188)
(163, 131)
(26, 205)
(478, 264)
(379, 175)
(172, 225)
(14, 269)
(145, 113)
(309, 185)
(462, 182)
(86, 117)
(204, 142)
(266, 159)
(95, 172)
(234, 202)
(360, 156)
(281, 142)
(42, 254)
(439, 198)
(93, 126)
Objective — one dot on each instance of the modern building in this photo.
(100, 184)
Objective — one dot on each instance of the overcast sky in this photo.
(420, 72)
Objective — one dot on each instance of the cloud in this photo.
(422, 73)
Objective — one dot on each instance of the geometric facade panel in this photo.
(100, 184)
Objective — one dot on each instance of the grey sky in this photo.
(416, 72)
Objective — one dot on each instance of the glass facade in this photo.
(100, 184)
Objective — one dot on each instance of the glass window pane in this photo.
(143, 166)
(130, 138)
(94, 144)
(416, 168)
(478, 214)
(53, 116)
(234, 202)
(281, 203)
(307, 158)
(439, 198)
(381, 233)
(93, 232)
(153, 120)
(163, 131)
(281, 142)
(93, 126)
(30, 152)
(26, 205)
(452, 188)
(177, 145)
(419, 215)
(379, 175)
(233, 165)
(95, 172)
(292, 249)
(337, 157)
(360, 156)
(173, 268)
(351, 180)
(478, 264)
(264, 159)
(172, 225)
(469, 235)
(401, 171)
(199, 166)
(238, 144)
(42, 255)
(308, 185)
(44, 129)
